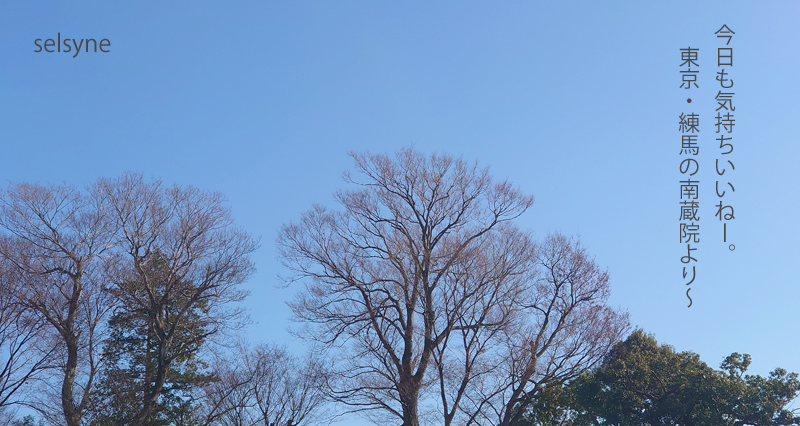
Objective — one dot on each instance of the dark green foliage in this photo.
(551, 408)
(643, 383)
(757, 400)
(27, 421)
(138, 347)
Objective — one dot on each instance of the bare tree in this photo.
(183, 263)
(265, 386)
(467, 359)
(24, 350)
(404, 264)
(55, 239)
(564, 329)
(558, 326)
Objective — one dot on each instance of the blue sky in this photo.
(574, 102)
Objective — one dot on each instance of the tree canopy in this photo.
(426, 301)
(643, 383)
(421, 281)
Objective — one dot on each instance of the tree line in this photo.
(422, 300)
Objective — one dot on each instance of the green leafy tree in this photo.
(643, 383)
(756, 400)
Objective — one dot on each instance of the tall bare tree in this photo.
(55, 240)
(565, 328)
(264, 385)
(417, 248)
(467, 359)
(182, 261)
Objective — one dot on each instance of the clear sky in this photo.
(576, 102)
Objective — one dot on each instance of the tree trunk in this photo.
(410, 413)
(151, 396)
(71, 414)
(409, 395)
(509, 412)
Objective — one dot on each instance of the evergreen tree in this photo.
(643, 383)
(138, 347)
